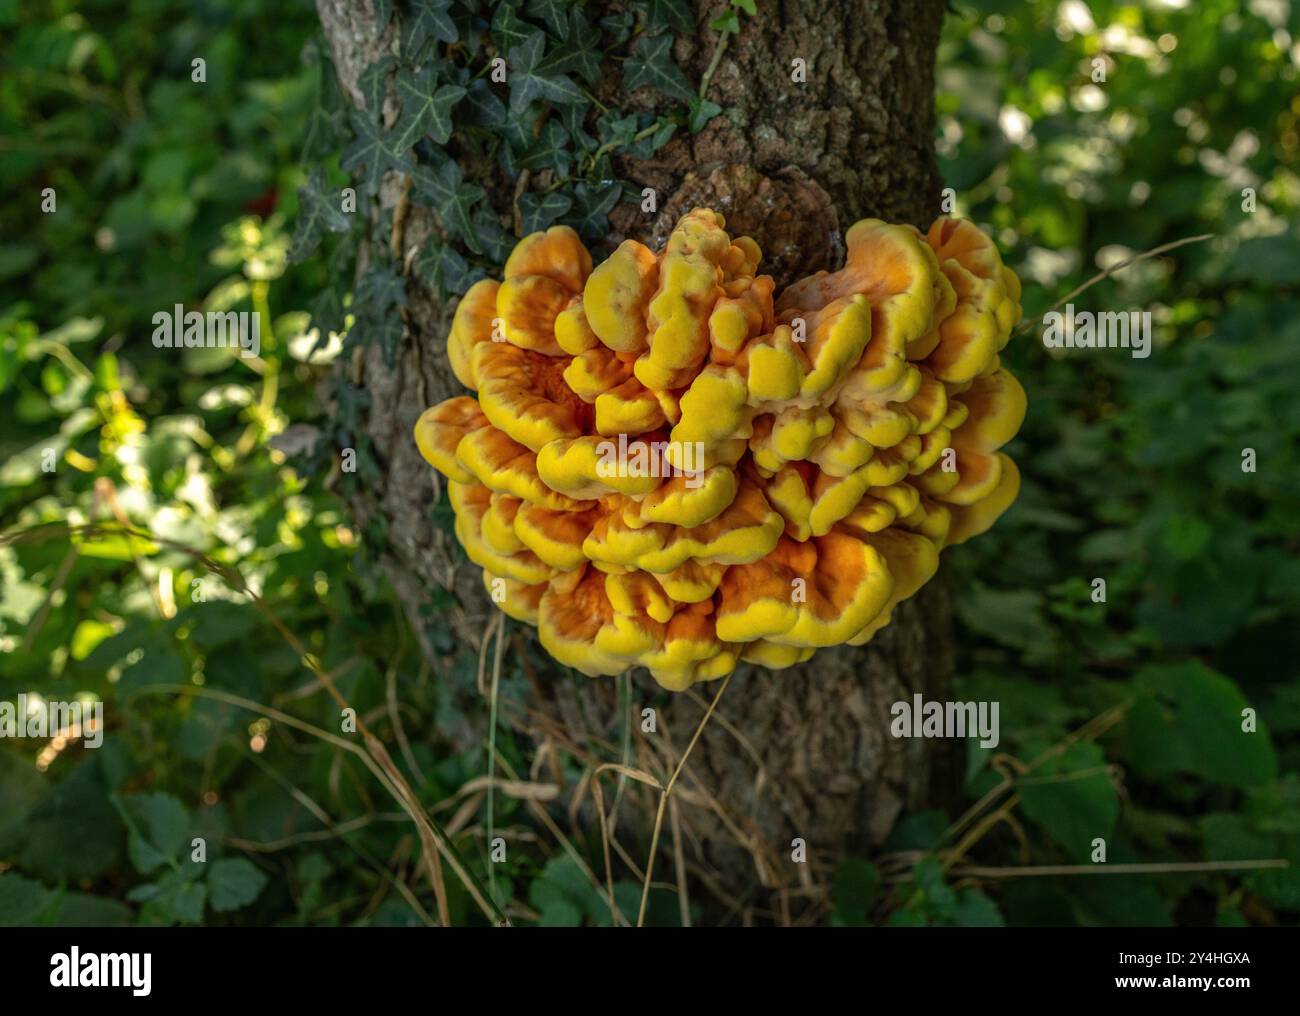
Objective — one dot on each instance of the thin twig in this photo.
(1107, 273)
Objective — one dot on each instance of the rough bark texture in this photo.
(804, 752)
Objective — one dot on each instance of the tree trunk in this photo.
(806, 752)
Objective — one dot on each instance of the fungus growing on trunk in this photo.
(668, 465)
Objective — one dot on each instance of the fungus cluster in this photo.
(669, 465)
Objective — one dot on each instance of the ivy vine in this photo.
(498, 131)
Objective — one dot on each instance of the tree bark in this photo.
(804, 753)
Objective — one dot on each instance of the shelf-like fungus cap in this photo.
(668, 464)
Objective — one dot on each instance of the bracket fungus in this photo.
(670, 465)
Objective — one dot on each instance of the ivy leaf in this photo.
(495, 242)
(728, 22)
(386, 333)
(581, 52)
(373, 84)
(445, 189)
(647, 146)
(383, 12)
(446, 268)
(483, 106)
(573, 118)
(591, 219)
(618, 27)
(552, 13)
(323, 133)
(549, 151)
(673, 15)
(652, 65)
(372, 154)
(380, 290)
(508, 30)
(426, 18)
(517, 128)
(702, 111)
(614, 130)
(424, 110)
(318, 213)
(537, 211)
(529, 80)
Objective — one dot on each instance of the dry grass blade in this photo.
(663, 799)
(521, 790)
(640, 775)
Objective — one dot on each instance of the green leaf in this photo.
(618, 27)
(1012, 617)
(552, 12)
(537, 211)
(647, 146)
(74, 832)
(319, 211)
(529, 78)
(482, 106)
(580, 54)
(326, 129)
(447, 269)
(702, 112)
(1072, 798)
(219, 623)
(81, 910)
(1190, 720)
(379, 291)
(21, 900)
(425, 110)
(373, 85)
(549, 151)
(652, 65)
(174, 897)
(234, 883)
(372, 154)
(975, 910)
(855, 889)
(444, 188)
(1270, 260)
(668, 15)
(728, 22)
(159, 825)
(425, 18)
(508, 30)
(594, 203)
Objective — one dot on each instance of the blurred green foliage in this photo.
(1119, 719)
